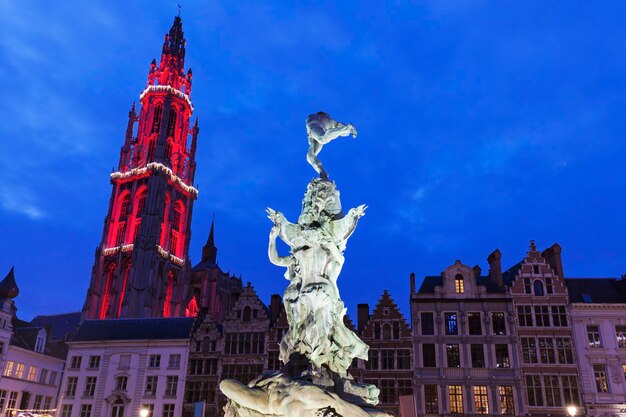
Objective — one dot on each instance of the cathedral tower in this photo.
(142, 264)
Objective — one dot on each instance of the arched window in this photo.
(124, 203)
(117, 410)
(246, 313)
(156, 119)
(177, 218)
(141, 201)
(386, 331)
(459, 284)
(192, 308)
(151, 147)
(538, 287)
(171, 122)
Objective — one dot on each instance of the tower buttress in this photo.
(142, 264)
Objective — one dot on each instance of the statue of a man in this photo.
(321, 129)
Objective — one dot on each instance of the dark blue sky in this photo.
(482, 125)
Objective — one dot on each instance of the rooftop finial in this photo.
(533, 248)
(178, 4)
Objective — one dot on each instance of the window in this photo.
(156, 119)
(47, 404)
(455, 393)
(499, 327)
(42, 377)
(171, 385)
(529, 350)
(386, 331)
(551, 388)
(564, 350)
(533, 390)
(459, 285)
(527, 287)
(536, 269)
(452, 353)
(428, 324)
(405, 387)
(171, 122)
(387, 391)
(507, 406)
(174, 361)
(200, 391)
(599, 373)
(386, 359)
(66, 410)
(245, 342)
(502, 356)
(32, 373)
(396, 330)
(559, 316)
(19, 370)
(140, 204)
(478, 356)
(372, 359)
(524, 316)
(85, 410)
(151, 384)
(474, 325)
(377, 331)
(429, 359)
(121, 382)
(538, 287)
(451, 324)
(570, 389)
(94, 362)
(620, 334)
(53, 377)
(75, 362)
(546, 350)
(150, 408)
(481, 402)
(549, 286)
(40, 343)
(38, 400)
(431, 399)
(70, 389)
(124, 362)
(403, 358)
(124, 208)
(8, 368)
(542, 316)
(168, 410)
(90, 386)
(12, 399)
(117, 410)
(593, 336)
(3, 399)
(155, 361)
(119, 237)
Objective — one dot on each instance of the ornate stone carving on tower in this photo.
(142, 265)
(318, 348)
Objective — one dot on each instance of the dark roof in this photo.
(510, 274)
(61, 325)
(134, 329)
(201, 266)
(430, 282)
(8, 286)
(25, 337)
(596, 290)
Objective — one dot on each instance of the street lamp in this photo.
(571, 410)
(144, 412)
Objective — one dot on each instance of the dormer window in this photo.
(538, 287)
(246, 313)
(459, 284)
(40, 343)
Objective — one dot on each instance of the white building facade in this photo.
(598, 312)
(116, 368)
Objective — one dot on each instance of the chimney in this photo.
(363, 315)
(276, 304)
(477, 271)
(552, 255)
(412, 280)
(495, 268)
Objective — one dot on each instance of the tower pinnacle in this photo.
(209, 251)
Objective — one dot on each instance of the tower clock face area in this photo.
(141, 267)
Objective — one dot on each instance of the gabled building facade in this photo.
(465, 345)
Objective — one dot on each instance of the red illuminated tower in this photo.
(142, 263)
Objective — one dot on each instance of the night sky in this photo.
(482, 125)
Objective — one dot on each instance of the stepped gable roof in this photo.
(347, 321)
(510, 274)
(386, 310)
(135, 329)
(249, 298)
(8, 286)
(596, 290)
(60, 325)
(430, 282)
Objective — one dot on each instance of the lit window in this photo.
(599, 372)
(32, 373)
(459, 284)
(8, 368)
(19, 370)
(481, 402)
(506, 400)
(593, 336)
(620, 334)
(456, 399)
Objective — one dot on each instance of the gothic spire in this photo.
(8, 286)
(209, 251)
(175, 42)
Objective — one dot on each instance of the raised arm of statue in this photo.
(321, 129)
(345, 227)
(272, 253)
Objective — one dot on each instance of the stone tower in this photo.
(141, 265)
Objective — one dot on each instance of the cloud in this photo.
(19, 199)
